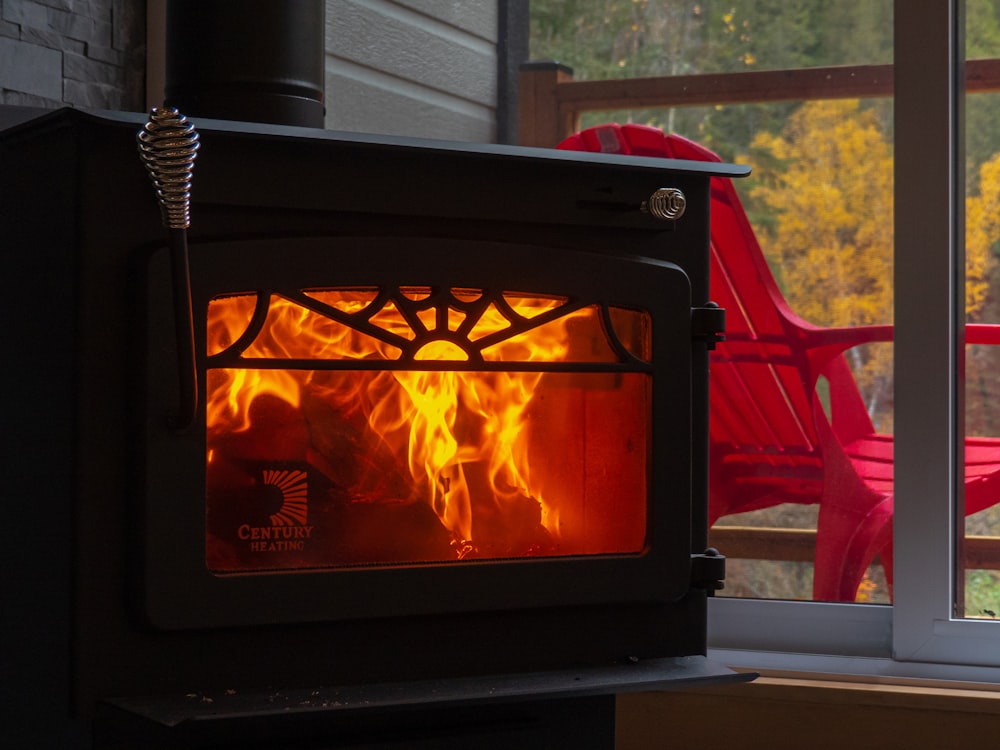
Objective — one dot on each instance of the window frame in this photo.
(919, 635)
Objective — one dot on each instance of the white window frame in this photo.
(918, 636)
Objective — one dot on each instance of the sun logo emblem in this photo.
(294, 489)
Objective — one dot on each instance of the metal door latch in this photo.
(708, 571)
(708, 324)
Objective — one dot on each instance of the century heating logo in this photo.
(289, 529)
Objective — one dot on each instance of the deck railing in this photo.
(799, 545)
(550, 101)
(550, 105)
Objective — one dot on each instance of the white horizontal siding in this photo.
(477, 17)
(426, 69)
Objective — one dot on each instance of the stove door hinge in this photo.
(708, 324)
(708, 571)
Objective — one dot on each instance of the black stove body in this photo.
(125, 602)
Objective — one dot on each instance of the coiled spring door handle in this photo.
(168, 145)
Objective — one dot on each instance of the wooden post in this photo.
(541, 119)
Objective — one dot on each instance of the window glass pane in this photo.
(978, 580)
(801, 429)
(602, 39)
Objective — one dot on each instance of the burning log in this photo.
(507, 526)
(351, 456)
(361, 508)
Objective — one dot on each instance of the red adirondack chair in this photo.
(772, 442)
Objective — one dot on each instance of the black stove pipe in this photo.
(253, 60)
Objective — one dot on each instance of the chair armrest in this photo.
(846, 337)
(982, 333)
(842, 338)
(822, 345)
(825, 347)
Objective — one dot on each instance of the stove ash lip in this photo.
(264, 64)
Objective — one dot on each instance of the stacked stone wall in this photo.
(80, 53)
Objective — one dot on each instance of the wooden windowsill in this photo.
(859, 690)
(785, 712)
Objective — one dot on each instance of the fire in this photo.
(455, 438)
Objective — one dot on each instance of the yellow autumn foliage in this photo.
(833, 236)
(982, 231)
(831, 243)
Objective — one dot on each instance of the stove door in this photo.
(412, 426)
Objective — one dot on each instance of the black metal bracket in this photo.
(708, 324)
(708, 570)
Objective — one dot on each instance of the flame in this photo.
(460, 439)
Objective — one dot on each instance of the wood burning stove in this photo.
(449, 446)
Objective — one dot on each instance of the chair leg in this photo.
(855, 524)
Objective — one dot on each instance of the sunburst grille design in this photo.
(429, 325)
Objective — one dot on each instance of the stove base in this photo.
(565, 708)
(583, 723)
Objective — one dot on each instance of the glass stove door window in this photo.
(415, 425)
